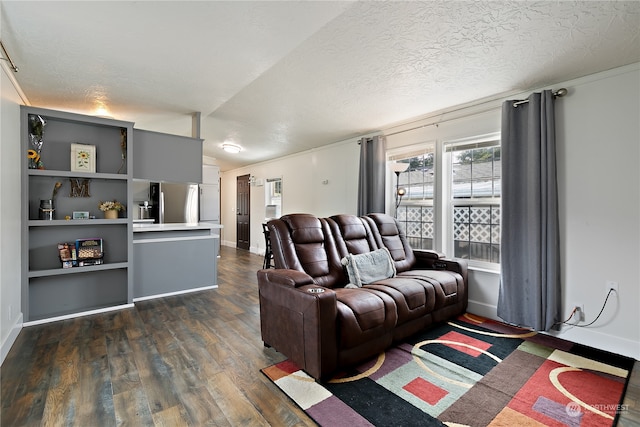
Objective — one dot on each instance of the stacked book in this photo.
(82, 253)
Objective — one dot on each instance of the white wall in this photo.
(598, 139)
(303, 189)
(10, 236)
(599, 190)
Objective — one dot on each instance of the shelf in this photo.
(73, 222)
(69, 174)
(77, 270)
(48, 290)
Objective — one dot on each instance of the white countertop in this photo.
(141, 227)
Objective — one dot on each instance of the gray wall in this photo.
(10, 259)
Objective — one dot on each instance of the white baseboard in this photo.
(99, 310)
(80, 314)
(483, 309)
(169, 294)
(229, 243)
(11, 338)
(257, 251)
(588, 337)
(602, 341)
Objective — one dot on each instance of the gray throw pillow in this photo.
(369, 267)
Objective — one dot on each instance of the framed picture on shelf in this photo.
(80, 215)
(83, 158)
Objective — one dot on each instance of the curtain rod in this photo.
(7, 58)
(558, 94)
(473, 113)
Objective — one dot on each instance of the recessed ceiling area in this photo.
(278, 78)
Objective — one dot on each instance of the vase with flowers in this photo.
(111, 209)
(36, 135)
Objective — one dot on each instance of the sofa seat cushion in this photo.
(363, 315)
(447, 285)
(413, 297)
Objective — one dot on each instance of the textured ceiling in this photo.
(282, 77)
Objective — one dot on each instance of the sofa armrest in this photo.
(298, 320)
(432, 260)
(427, 257)
(458, 265)
(289, 278)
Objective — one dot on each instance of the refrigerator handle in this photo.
(161, 208)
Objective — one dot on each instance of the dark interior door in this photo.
(243, 218)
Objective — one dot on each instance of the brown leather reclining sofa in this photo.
(308, 315)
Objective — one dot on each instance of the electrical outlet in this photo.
(579, 314)
(610, 284)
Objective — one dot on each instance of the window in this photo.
(474, 184)
(416, 211)
(456, 208)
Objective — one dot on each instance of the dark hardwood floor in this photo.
(192, 359)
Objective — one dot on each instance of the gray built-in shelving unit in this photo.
(48, 290)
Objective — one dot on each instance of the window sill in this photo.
(484, 269)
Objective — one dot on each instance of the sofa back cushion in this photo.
(305, 243)
(316, 246)
(388, 234)
(352, 235)
(359, 235)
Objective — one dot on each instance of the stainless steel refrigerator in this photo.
(210, 203)
(210, 206)
(175, 202)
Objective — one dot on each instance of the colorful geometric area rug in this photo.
(470, 371)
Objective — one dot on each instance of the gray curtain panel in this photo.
(530, 245)
(371, 185)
